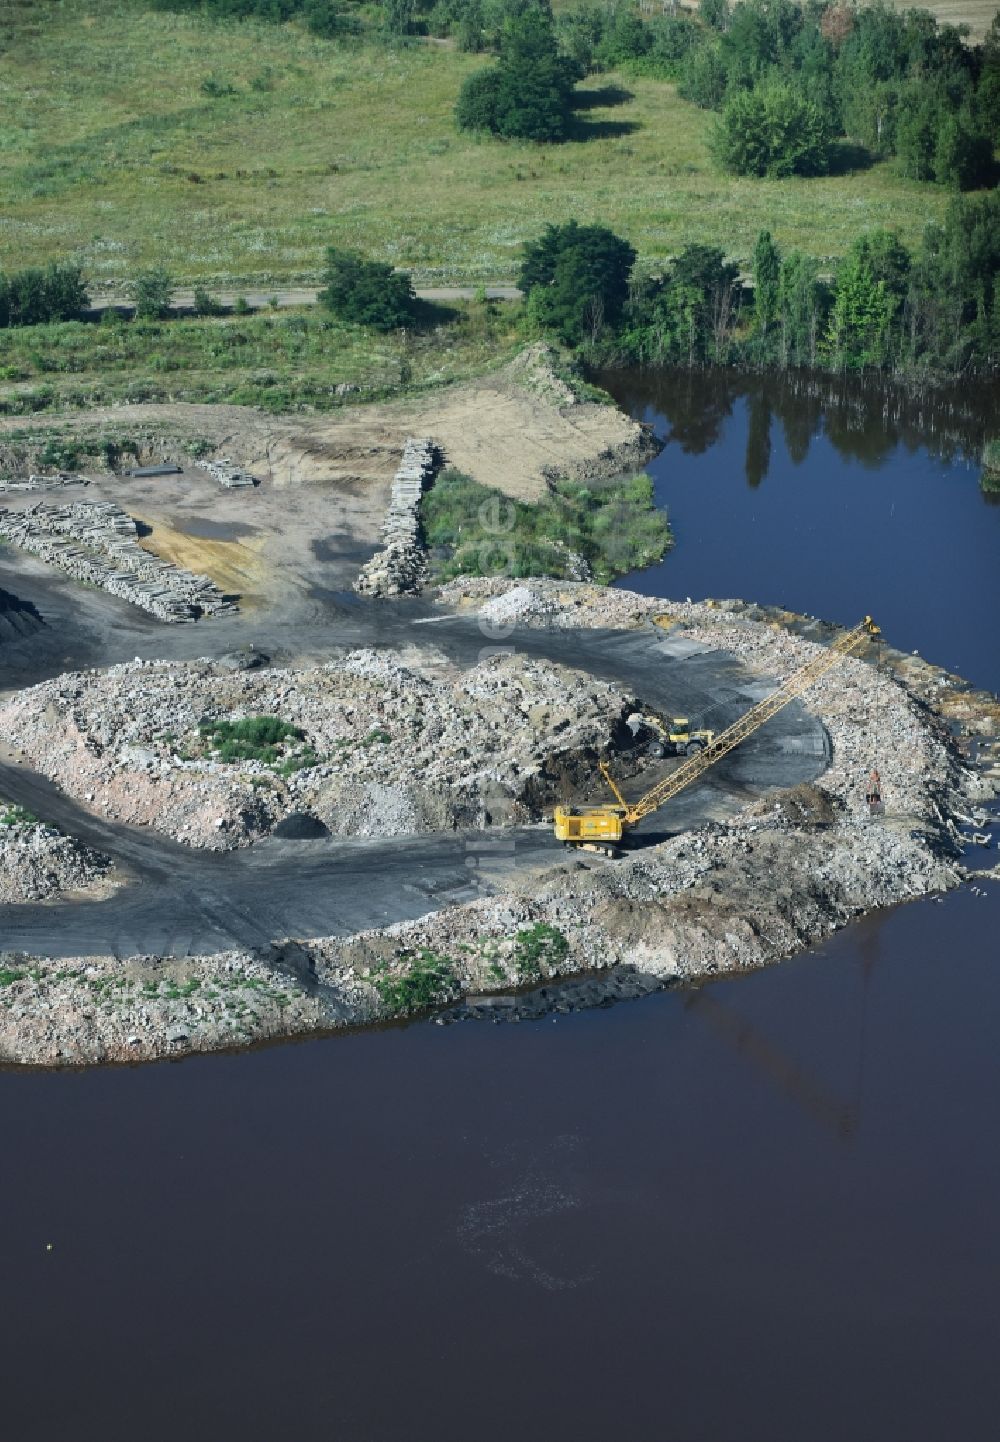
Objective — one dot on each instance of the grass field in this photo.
(112, 152)
(977, 14)
(280, 362)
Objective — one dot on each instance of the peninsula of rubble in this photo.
(774, 878)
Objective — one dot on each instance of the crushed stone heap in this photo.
(380, 749)
(37, 863)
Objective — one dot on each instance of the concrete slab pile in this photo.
(401, 566)
(227, 473)
(97, 541)
(42, 483)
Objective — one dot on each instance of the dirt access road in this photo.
(292, 297)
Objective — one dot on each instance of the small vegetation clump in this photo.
(152, 292)
(429, 980)
(257, 738)
(473, 530)
(17, 816)
(539, 949)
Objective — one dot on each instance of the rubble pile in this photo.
(37, 863)
(401, 565)
(703, 903)
(870, 717)
(97, 541)
(384, 749)
(79, 1011)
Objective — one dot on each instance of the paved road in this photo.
(180, 902)
(183, 299)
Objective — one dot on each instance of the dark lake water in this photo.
(761, 1210)
(833, 508)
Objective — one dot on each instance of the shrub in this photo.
(36, 296)
(773, 131)
(205, 304)
(11, 815)
(152, 292)
(256, 738)
(366, 292)
(327, 19)
(478, 104)
(537, 947)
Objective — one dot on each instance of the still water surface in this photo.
(765, 1210)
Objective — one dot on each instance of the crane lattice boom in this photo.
(727, 740)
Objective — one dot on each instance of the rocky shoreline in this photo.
(779, 877)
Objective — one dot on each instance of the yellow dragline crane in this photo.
(601, 827)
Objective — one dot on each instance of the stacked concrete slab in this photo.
(96, 541)
(41, 483)
(227, 473)
(401, 565)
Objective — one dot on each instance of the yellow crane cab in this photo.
(598, 828)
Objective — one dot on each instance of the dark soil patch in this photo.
(206, 530)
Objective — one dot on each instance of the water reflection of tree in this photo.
(758, 456)
(863, 418)
(697, 404)
(801, 417)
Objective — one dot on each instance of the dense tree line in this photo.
(898, 83)
(789, 79)
(883, 308)
(40, 294)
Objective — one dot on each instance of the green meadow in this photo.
(233, 153)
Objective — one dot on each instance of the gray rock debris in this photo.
(96, 541)
(401, 565)
(37, 863)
